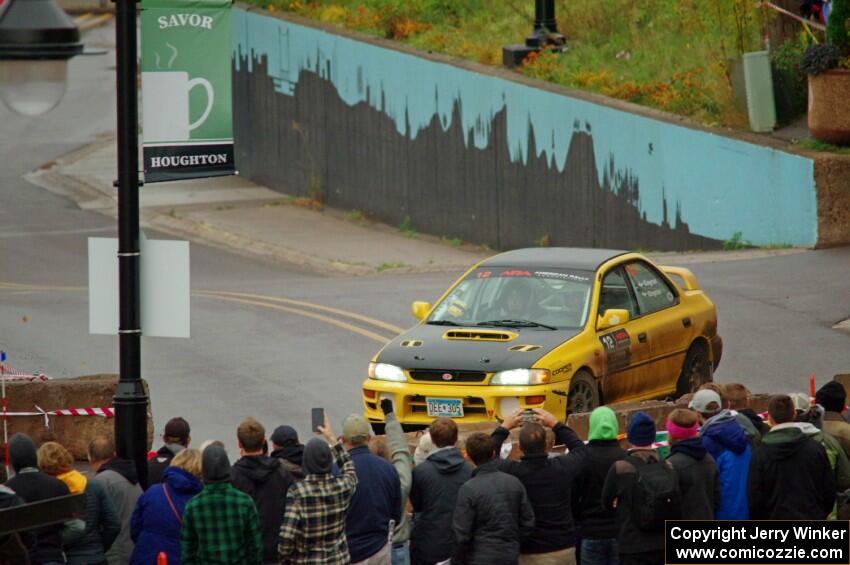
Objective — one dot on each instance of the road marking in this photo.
(353, 315)
(263, 301)
(344, 325)
(4, 235)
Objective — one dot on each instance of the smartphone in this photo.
(528, 415)
(318, 417)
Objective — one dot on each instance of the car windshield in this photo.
(517, 297)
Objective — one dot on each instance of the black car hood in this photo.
(435, 352)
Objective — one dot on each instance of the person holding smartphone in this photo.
(313, 529)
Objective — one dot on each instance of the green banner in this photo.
(187, 125)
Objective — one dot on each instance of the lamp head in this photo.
(36, 40)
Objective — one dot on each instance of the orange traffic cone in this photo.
(161, 558)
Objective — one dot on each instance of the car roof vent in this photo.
(524, 348)
(480, 335)
(411, 343)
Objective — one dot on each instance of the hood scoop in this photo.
(524, 348)
(411, 343)
(480, 335)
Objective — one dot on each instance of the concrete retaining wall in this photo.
(492, 157)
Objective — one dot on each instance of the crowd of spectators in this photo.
(355, 498)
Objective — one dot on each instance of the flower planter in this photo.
(829, 106)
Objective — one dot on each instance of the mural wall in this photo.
(479, 157)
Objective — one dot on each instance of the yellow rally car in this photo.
(559, 328)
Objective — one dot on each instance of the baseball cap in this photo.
(177, 428)
(355, 427)
(284, 435)
(706, 402)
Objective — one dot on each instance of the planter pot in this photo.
(829, 106)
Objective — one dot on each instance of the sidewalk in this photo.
(235, 214)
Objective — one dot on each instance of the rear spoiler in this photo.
(682, 277)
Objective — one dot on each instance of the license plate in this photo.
(451, 407)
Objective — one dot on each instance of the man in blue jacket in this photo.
(376, 505)
(724, 438)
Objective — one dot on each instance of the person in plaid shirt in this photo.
(220, 524)
(313, 530)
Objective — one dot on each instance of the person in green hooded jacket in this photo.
(598, 526)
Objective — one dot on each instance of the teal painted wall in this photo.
(720, 184)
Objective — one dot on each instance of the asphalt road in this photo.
(270, 359)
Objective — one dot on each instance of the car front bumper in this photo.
(481, 403)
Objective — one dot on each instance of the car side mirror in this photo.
(612, 317)
(420, 310)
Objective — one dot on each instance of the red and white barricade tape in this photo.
(102, 411)
(10, 375)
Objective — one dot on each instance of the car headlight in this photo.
(386, 372)
(521, 377)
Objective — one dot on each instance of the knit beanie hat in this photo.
(832, 397)
(317, 457)
(22, 453)
(641, 431)
(603, 424)
(284, 436)
(215, 465)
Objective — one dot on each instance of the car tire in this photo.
(696, 370)
(584, 393)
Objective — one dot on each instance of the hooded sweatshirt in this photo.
(838, 461)
(790, 477)
(291, 455)
(725, 440)
(603, 450)
(266, 481)
(699, 484)
(436, 482)
(119, 478)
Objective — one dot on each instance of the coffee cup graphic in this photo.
(165, 105)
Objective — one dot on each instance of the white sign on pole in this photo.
(165, 290)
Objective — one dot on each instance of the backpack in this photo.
(655, 494)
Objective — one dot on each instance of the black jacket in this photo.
(436, 482)
(158, 464)
(30, 485)
(492, 517)
(12, 549)
(266, 480)
(699, 482)
(757, 421)
(292, 456)
(618, 488)
(790, 478)
(596, 522)
(548, 482)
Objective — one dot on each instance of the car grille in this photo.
(433, 375)
(471, 405)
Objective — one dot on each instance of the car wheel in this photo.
(583, 395)
(696, 370)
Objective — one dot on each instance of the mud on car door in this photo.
(625, 355)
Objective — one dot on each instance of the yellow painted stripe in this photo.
(339, 312)
(93, 23)
(256, 300)
(344, 325)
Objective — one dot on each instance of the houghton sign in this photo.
(186, 89)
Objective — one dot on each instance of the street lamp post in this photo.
(544, 35)
(131, 402)
(36, 40)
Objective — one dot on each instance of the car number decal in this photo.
(617, 346)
